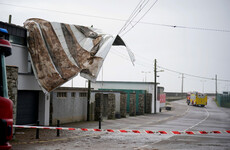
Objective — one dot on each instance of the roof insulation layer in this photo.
(61, 51)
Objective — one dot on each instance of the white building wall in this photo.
(19, 58)
(27, 81)
(43, 109)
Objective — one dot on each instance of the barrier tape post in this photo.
(37, 130)
(58, 125)
(100, 121)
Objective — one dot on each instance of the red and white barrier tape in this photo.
(125, 131)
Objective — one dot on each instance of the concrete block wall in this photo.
(12, 81)
(123, 97)
(132, 104)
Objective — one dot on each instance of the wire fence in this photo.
(223, 100)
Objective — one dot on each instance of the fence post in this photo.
(100, 118)
(58, 125)
(37, 130)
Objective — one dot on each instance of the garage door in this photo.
(27, 107)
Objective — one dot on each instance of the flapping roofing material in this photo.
(60, 51)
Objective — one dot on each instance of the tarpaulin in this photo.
(60, 51)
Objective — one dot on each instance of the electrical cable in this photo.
(186, 27)
(141, 17)
(117, 19)
(129, 21)
(195, 76)
(150, 66)
(132, 15)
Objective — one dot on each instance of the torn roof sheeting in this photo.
(60, 51)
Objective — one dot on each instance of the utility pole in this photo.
(155, 85)
(216, 86)
(182, 84)
(10, 18)
(88, 99)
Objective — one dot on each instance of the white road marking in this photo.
(188, 128)
(200, 121)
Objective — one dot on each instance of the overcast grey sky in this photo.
(198, 52)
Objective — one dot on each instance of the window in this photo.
(17, 40)
(61, 94)
(83, 94)
(73, 94)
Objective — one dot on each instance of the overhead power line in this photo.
(117, 19)
(195, 76)
(134, 14)
(141, 17)
(186, 27)
(149, 65)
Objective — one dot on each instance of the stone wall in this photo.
(148, 105)
(111, 106)
(123, 98)
(98, 105)
(12, 81)
(132, 104)
(141, 104)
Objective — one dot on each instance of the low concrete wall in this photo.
(171, 96)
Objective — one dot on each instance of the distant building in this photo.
(125, 85)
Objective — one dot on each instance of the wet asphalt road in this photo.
(181, 118)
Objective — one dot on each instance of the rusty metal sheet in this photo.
(61, 51)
